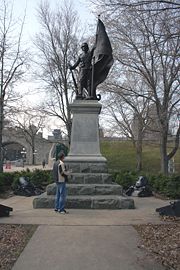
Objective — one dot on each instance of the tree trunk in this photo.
(139, 151)
(163, 151)
(68, 127)
(1, 130)
(33, 153)
(176, 144)
(138, 144)
(139, 156)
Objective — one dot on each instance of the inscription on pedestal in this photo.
(85, 133)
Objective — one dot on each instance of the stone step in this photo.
(86, 202)
(90, 178)
(88, 189)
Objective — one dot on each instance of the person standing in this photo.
(43, 163)
(60, 175)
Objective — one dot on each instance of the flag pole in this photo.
(74, 81)
(92, 78)
(93, 62)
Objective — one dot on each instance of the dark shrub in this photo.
(173, 187)
(158, 182)
(6, 180)
(40, 177)
(166, 185)
(126, 179)
(37, 177)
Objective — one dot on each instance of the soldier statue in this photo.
(94, 65)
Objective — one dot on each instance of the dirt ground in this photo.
(162, 241)
(13, 239)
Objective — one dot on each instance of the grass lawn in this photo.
(121, 156)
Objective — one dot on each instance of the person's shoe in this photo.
(63, 212)
(56, 210)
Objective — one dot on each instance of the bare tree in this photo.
(57, 43)
(141, 5)
(28, 123)
(12, 58)
(129, 113)
(147, 45)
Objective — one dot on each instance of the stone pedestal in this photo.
(85, 148)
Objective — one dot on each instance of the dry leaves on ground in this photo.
(162, 241)
(13, 239)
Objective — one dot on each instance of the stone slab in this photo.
(86, 202)
(87, 189)
(82, 165)
(90, 178)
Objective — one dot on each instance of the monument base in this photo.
(89, 186)
(86, 165)
(86, 202)
(88, 191)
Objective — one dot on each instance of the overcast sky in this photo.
(31, 22)
(32, 26)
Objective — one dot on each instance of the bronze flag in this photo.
(102, 55)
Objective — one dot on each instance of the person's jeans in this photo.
(60, 196)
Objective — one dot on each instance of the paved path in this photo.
(24, 213)
(84, 239)
(84, 248)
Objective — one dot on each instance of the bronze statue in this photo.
(93, 65)
(85, 68)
